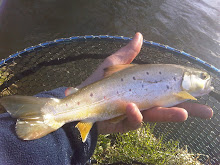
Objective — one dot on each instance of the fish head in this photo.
(196, 82)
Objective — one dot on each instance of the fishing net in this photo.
(67, 62)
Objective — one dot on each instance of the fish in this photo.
(146, 85)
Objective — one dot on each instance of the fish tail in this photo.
(31, 122)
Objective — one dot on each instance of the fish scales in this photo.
(116, 91)
(146, 85)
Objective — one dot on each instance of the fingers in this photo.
(125, 55)
(70, 91)
(173, 114)
(197, 110)
(133, 121)
(160, 114)
(156, 114)
(134, 117)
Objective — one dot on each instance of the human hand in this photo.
(179, 113)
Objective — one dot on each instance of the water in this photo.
(192, 26)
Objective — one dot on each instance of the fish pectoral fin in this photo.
(185, 95)
(117, 119)
(84, 128)
(113, 69)
(70, 91)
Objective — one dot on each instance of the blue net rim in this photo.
(166, 48)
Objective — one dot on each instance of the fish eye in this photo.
(203, 76)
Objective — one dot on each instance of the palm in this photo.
(134, 118)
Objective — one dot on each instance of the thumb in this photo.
(126, 54)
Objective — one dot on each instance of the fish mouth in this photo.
(208, 86)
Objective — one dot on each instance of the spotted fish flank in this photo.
(145, 85)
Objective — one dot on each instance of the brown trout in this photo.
(147, 86)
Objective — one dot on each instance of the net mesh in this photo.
(70, 63)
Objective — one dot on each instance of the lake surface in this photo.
(192, 26)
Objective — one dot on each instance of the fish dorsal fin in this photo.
(115, 68)
(84, 128)
(185, 95)
(70, 91)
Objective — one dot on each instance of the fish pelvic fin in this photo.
(117, 119)
(84, 128)
(185, 95)
(31, 122)
(116, 68)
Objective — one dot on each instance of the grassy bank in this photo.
(141, 147)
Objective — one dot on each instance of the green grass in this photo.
(141, 147)
(5, 75)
